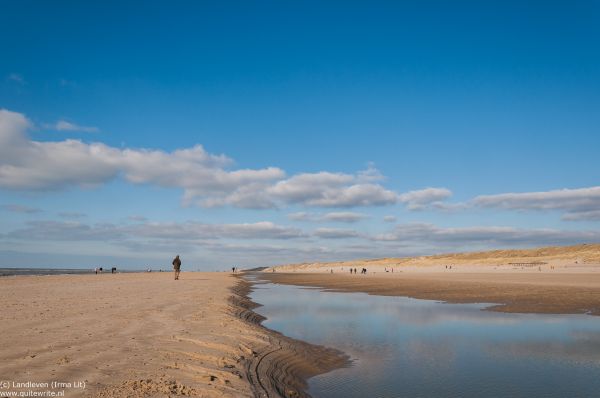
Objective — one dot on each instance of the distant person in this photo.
(233, 270)
(96, 270)
(100, 269)
(113, 270)
(354, 271)
(177, 266)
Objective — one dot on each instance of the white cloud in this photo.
(196, 230)
(325, 189)
(20, 209)
(421, 199)
(335, 233)
(66, 231)
(270, 243)
(205, 179)
(71, 214)
(63, 125)
(182, 232)
(390, 219)
(582, 215)
(341, 216)
(31, 165)
(344, 216)
(579, 204)
(473, 237)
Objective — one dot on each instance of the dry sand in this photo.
(134, 335)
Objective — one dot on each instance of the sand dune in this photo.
(574, 257)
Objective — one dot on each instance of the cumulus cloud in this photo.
(335, 233)
(341, 216)
(325, 189)
(390, 219)
(63, 125)
(195, 230)
(421, 199)
(494, 236)
(187, 231)
(581, 204)
(578, 204)
(344, 216)
(66, 231)
(31, 165)
(71, 214)
(583, 215)
(20, 209)
(205, 178)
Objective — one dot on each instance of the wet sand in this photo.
(526, 291)
(146, 335)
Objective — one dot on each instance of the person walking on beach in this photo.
(177, 266)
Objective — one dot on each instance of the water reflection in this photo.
(404, 347)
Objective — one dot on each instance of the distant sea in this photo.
(51, 271)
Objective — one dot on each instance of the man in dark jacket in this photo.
(176, 266)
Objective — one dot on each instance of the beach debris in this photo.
(63, 360)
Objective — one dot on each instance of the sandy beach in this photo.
(526, 292)
(134, 335)
(146, 335)
(556, 279)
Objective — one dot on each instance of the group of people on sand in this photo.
(362, 271)
(113, 270)
(176, 268)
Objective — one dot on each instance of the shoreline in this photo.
(543, 293)
(143, 334)
(285, 364)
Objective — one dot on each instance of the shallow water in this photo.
(403, 347)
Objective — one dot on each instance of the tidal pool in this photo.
(403, 347)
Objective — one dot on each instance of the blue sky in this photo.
(255, 133)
